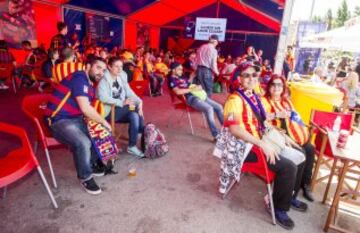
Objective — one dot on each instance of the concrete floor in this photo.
(176, 193)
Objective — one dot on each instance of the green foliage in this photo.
(343, 14)
(357, 11)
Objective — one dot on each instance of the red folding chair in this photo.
(261, 170)
(139, 87)
(20, 161)
(179, 102)
(320, 121)
(33, 106)
(6, 73)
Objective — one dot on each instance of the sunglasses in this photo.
(247, 75)
(277, 85)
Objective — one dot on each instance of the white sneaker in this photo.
(135, 151)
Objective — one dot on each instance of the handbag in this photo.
(274, 138)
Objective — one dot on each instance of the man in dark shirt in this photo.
(59, 41)
(201, 102)
(66, 110)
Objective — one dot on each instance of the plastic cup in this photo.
(342, 139)
(132, 107)
(132, 171)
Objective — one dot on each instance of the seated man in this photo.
(67, 66)
(182, 86)
(66, 110)
(6, 57)
(160, 68)
(114, 89)
(47, 67)
(129, 65)
(27, 62)
(156, 80)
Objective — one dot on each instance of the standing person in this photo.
(182, 86)
(245, 117)
(206, 61)
(65, 116)
(60, 41)
(290, 58)
(114, 89)
(281, 113)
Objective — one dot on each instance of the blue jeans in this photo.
(208, 107)
(204, 77)
(136, 122)
(74, 133)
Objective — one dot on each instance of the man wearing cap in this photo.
(195, 97)
(245, 117)
(206, 61)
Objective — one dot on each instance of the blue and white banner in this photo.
(209, 26)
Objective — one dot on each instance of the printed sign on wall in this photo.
(209, 26)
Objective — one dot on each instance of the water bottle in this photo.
(337, 124)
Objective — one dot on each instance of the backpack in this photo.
(153, 142)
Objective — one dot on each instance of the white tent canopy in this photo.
(346, 38)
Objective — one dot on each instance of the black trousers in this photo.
(287, 181)
(155, 83)
(309, 163)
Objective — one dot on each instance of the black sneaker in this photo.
(91, 187)
(298, 205)
(98, 170)
(307, 193)
(284, 220)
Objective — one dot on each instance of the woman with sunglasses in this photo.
(281, 113)
(245, 117)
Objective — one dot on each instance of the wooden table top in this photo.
(352, 149)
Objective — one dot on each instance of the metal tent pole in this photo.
(281, 48)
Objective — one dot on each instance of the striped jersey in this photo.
(63, 104)
(238, 112)
(295, 127)
(64, 69)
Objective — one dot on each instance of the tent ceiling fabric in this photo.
(119, 7)
(175, 9)
(233, 16)
(165, 11)
(161, 12)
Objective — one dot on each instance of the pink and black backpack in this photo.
(154, 143)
